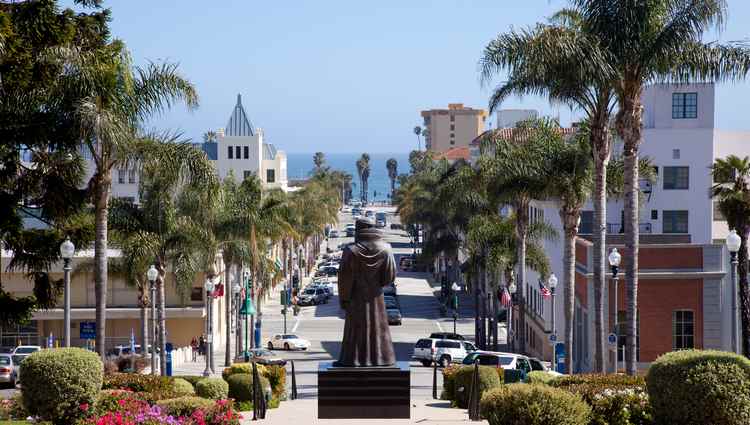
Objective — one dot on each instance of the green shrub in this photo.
(241, 386)
(277, 378)
(193, 379)
(243, 368)
(57, 381)
(449, 383)
(182, 387)
(157, 387)
(488, 379)
(184, 406)
(533, 405)
(540, 377)
(589, 385)
(700, 387)
(212, 388)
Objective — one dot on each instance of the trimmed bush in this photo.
(184, 406)
(156, 387)
(57, 381)
(488, 379)
(193, 379)
(277, 378)
(212, 388)
(182, 387)
(241, 386)
(449, 383)
(533, 405)
(700, 387)
(243, 368)
(540, 377)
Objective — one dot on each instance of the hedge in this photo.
(182, 387)
(488, 379)
(243, 368)
(184, 406)
(212, 388)
(57, 381)
(193, 379)
(241, 386)
(590, 385)
(540, 377)
(276, 376)
(533, 404)
(155, 386)
(700, 387)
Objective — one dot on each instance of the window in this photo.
(247, 152)
(675, 154)
(683, 328)
(131, 176)
(453, 136)
(718, 215)
(622, 336)
(453, 127)
(230, 151)
(121, 176)
(196, 294)
(270, 176)
(654, 214)
(453, 142)
(247, 174)
(676, 178)
(453, 118)
(684, 105)
(675, 222)
(237, 151)
(447, 344)
(587, 223)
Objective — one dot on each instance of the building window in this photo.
(270, 176)
(237, 151)
(230, 152)
(131, 176)
(676, 178)
(675, 222)
(587, 223)
(453, 127)
(622, 336)
(247, 152)
(683, 329)
(196, 294)
(684, 105)
(247, 174)
(718, 215)
(121, 176)
(453, 118)
(654, 214)
(675, 154)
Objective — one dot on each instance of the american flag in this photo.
(544, 290)
(505, 298)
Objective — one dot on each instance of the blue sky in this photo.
(344, 76)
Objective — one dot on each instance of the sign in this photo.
(612, 340)
(552, 337)
(88, 330)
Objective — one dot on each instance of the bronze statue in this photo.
(367, 266)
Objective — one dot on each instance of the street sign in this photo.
(552, 337)
(87, 330)
(612, 340)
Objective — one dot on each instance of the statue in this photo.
(367, 266)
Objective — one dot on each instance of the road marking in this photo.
(439, 327)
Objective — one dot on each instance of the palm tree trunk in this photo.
(744, 291)
(101, 201)
(522, 221)
(629, 124)
(228, 313)
(600, 254)
(161, 313)
(144, 322)
(569, 269)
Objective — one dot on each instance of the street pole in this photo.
(247, 317)
(66, 333)
(152, 292)
(209, 339)
(617, 313)
(735, 339)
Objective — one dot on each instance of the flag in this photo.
(544, 290)
(132, 341)
(505, 299)
(219, 291)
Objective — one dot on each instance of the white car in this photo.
(288, 342)
(26, 349)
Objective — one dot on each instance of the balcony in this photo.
(619, 228)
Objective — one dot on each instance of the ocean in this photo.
(300, 165)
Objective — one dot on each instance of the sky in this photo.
(345, 76)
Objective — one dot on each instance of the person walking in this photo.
(194, 346)
(202, 345)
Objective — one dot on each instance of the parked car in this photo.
(122, 350)
(17, 360)
(26, 349)
(350, 231)
(442, 351)
(369, 213)
(394, 316)
(265, 357)
(288, 342)
(397, 226)
(381, 219)
(312, 296)
(333, 233)
(539, 365)
(447, 335)
(498, 359)
(7, 371)
(390, 289)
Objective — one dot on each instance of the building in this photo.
(453, 127)
(684, 293)
(240, 148)
(508, 118)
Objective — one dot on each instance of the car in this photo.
(369, 213)
(333, 233)
(406, 263)
(331, 271)
(264, 357)
(394, 316)
(441, 351)
(391, 301)
(122, 350)
(539, 365)
(499, 359)
(288, 342)
(390, 289)
(312, 296)
(381, 219)
(350, 232)
(447, 335)
(356, 211)
(7, 371)
(26, 349)
(6, 350)
(321, 285)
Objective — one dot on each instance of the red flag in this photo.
(544, 290)
(505, 299)
(219, 291)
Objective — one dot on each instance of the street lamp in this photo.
(209, 287)
(733, 245)
(66, 252)
(455, 288)
(511, 335)
(236, 290)
(552, 282)
(614, 263)
(152, 274)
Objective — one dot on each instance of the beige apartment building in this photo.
(453, 127)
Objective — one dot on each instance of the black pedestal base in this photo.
(364, 393)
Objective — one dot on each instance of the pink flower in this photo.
(84, 407)
(121, 402)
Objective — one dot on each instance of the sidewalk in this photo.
(305, 411)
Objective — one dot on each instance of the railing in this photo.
(618, 228)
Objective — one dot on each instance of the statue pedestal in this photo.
(364, 392)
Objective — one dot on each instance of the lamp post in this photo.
(511, 335)
(152, 274)
(733, 245)
(66, 252)
(209, 287)
(614, 263)
(236, 291)
(455, 288)
(552, 282)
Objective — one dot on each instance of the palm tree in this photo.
(210, 137)
(116, 100)
(731, 176)
(650, 41)
(363, 168)
(418, 132)
(392, 166)
(563, 62)
(319, 160)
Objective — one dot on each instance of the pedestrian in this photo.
(202, 345)
(194, 346)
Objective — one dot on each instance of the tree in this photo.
(563, 62)
(645, 41)
(731, 176)
(363, 169)
(319, 160)
(116, 99)
(392, 166)
(418, 132)
(210, 137)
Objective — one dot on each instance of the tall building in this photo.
(453, 127)
(508, 118)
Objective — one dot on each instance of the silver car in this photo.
(7, 370)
